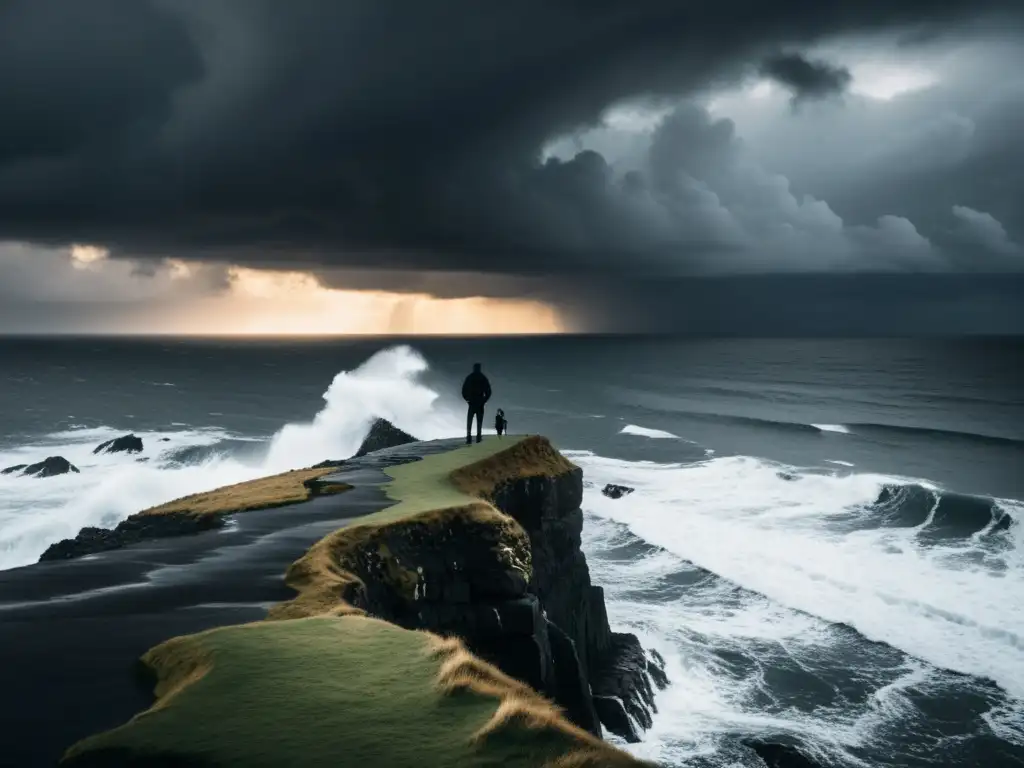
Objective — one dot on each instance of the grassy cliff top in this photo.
(335, 692)
(265, 492)
(436, 490)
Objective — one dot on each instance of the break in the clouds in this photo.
(474, 147)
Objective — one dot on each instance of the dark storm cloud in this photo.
(390, 133)
(807, 79)
(889, 305)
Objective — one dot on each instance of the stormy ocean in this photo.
(825, 539)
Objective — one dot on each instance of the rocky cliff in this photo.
(619, 671)
(507, 575)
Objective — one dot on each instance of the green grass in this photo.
(332, 692)
(426, 485)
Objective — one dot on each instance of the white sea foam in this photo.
(739, 518)
(35, 513)
(839, 463)
(707, 703)
(657, 434)
(839, 428)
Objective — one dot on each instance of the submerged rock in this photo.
(613, 491)
(123, 444)
(777, 755)
(49, 467)
(383, 434)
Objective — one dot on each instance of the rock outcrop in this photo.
(618, 669)
(383, 434)
(49, 467)
(123, 444)
(136, 528)
(613, 491)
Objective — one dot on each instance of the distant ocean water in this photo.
(824, 541)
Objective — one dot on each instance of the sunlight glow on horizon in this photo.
(260, 302)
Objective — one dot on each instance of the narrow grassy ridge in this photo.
(323, 685)
(263, 493)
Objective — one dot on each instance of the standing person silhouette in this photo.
(476, 391)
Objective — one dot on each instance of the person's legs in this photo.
(479, 423)
(470, 410)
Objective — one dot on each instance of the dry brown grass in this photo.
(521, 711)
(531, 457)
(263, 493)
(180, 663)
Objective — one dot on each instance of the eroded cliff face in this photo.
(621, 674)
(522, 602)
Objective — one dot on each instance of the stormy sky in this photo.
(737, 167)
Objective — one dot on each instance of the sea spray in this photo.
(37, 513)
(385, 386)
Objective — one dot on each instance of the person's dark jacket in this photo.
(476, 389)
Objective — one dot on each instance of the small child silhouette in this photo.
(500, 422)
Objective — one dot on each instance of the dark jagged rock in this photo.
(614, 717)
(468, 577)
(625, 678)
(137, 528)
(613, 491)
(123, 444)
(49, 467)
(615, 665)
(571, 688)
(383, 434)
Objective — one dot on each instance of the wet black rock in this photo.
(136, 528)
(622, 686)
(616, 667)
(383, 434)
(613, 491)
(49, 467)
(123, 444)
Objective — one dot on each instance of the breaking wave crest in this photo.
(184, 460)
